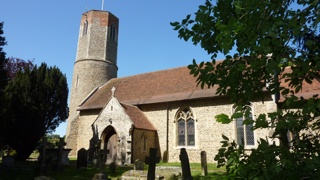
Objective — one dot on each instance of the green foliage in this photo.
(271, 48)
(36, 103)
(3, 83)
(222, 118)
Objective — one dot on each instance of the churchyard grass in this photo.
(27, 171)
(214, 173)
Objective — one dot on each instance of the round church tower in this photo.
(96, 63)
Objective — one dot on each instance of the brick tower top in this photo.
(98, 36)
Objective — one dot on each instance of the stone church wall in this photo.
(207, 131)
(142, 141)
(85, 132)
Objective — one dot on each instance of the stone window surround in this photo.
(254, 132)
(195, 146)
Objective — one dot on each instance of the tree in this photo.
(3, 82)
(13, 65)
(274, 46)
(36, 103)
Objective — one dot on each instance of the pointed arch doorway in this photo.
(110, 139)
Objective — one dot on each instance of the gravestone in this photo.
(82, 158)
(42, 158)
(100, 155)
(97, 153)
(204, 165)
(101, 175)
(61, 145)
(8, 161)
(91, 150)
(152, 160)
(185, 165)
(138, 165)
(113, 167)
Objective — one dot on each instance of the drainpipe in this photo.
(167, 141)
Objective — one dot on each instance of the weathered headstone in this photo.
(99, 176)
(97, 153)
(152, 160)
(42, 158)
(91, 150)
(185, 165)
(82, 158)
(8, 161)
(61, 145)
(113, 167)
(138, 165)
(204, 165)
(100, 163)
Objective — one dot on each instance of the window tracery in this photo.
(244, 132)
(185, 128)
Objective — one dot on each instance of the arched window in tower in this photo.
(244, 132)
(112, 33)
(185, 128)
(85, 28)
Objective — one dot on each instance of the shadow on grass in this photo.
(211, 176)
(28, 171)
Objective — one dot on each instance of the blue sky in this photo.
(47, 31)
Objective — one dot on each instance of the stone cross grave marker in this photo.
(204, 166)
(152, 160)
(102, 162)
(42, 158)
(82, 158)
(138, 165)
(60, 145)
(100, 155)
(97, 153)
(185, 165)
(101, 175)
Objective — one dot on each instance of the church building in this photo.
(162, 109)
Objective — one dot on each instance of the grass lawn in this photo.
(28, 171)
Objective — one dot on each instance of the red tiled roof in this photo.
(139, 119)
(307, 91)
(163, 86)
(159, 86)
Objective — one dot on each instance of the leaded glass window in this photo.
(185, 128)
(181, 133)
(244, 132)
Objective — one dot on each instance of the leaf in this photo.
(174, 23)
(223, 118)
(225, 137)
(237, 115)
(177, 27)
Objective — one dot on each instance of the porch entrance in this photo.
(110, 140)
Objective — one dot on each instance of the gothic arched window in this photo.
(185, 128)
(244, 132)
(85, 28)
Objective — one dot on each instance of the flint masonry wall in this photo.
(208, 131)
(143, 140)
(95, 64)
(85, 132)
